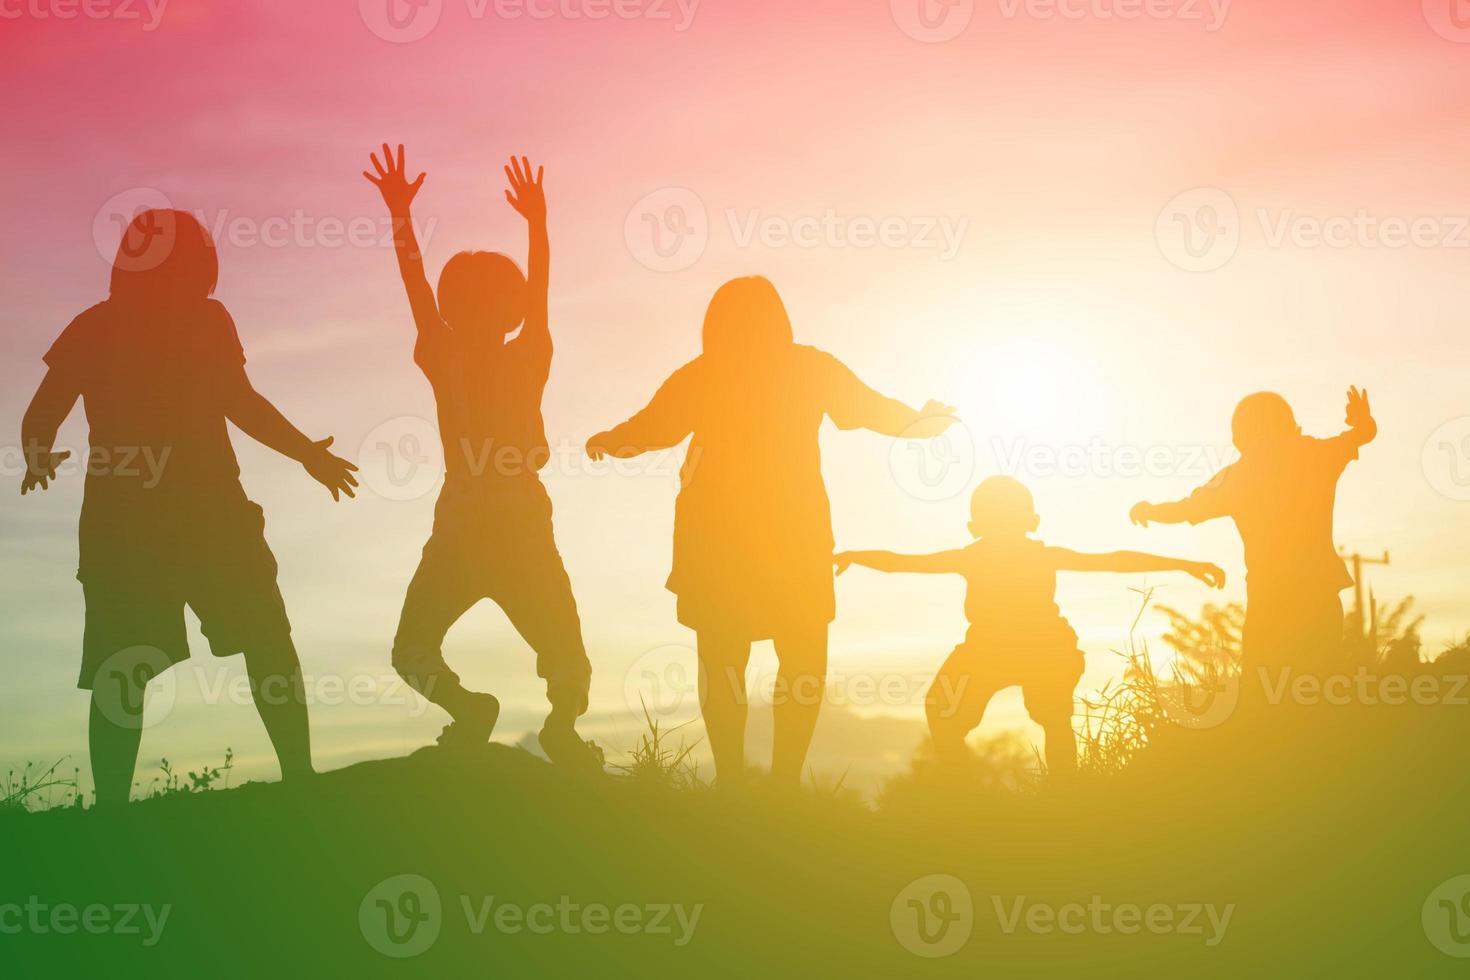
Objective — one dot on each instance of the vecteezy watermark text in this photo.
(403, 916)
(669, 230)
(149, 12)
(406, 21)
(39, 918)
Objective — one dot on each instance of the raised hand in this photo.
(1359, 412)
(1211, 575)
(526, 195)
(933, 419)
(41, 470)
(331, 471)
(392, 183)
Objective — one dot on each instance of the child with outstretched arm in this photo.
(1017, 634)
(1281, 494)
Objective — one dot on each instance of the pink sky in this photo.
(1055, 141)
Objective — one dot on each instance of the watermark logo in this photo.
(1095, 458)
(134, 688)
(149, 12)
(1364, 686)
(138, 249)
(932, 21)
(942, 234)
(663, 682)
(1450, 19)
(936, 468)
(1446, 917)
(1204, 920)
(670, 229)
(149, 243)
(39, 918)
(401, 916)
(401, 21)
(933, 916)
(1203, 705)
(1199, 229)
(401, 459)
(1446, 459)
(667, 230)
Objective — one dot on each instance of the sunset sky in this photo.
(1092, 233)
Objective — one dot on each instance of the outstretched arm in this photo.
(1136, 561)
(1362, 428)
(51, 404)
(1175, 512)
(854, 405)
(260, 420)
(939, 563)
(529, 200)
(398, 194)
(664, 422)
(1212, 500)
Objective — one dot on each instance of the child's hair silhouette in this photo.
(1261, 421)
(167, 256)
(484, 291)
(746, 318)
(1001, 506)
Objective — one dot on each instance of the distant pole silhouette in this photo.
(1358, 561)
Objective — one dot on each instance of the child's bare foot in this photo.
(473, 722)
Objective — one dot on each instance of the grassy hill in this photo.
(1206, 858)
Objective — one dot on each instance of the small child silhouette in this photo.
(1281, 495)
(1017, 635)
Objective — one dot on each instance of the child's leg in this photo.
(279, 691)
(131, 637)
(542, 608)
(540, 604)
(439, 594)
(956, 703)
(115, 728)
(801, 683)
(1048, 691)
(531, 586)
(1061, 747)
(722, 663)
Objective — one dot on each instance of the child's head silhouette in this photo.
(482, 292)
(165, 257)
(1002, 507)
(746, 319)
(1261, 421)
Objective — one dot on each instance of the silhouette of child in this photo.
(165, 522)
(1281, 495)
(492, 534)
(1017, 635)
(752, 524)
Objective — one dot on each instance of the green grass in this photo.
(1326, 831)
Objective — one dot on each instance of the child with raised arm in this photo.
(1017, 635)
(492, 534)
(1281, 494)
